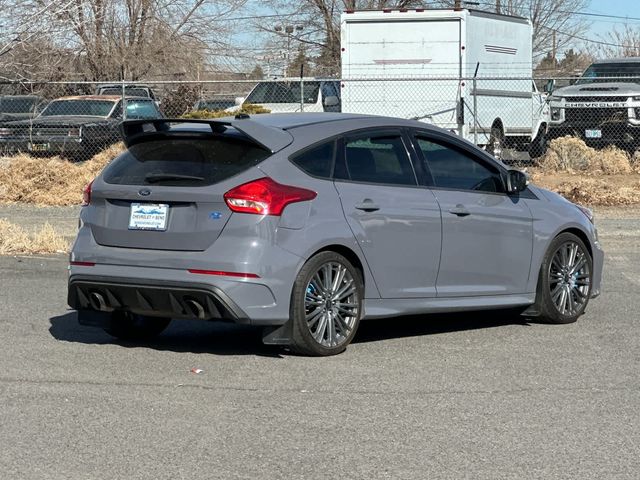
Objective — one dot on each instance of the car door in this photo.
(487, 235)
(396, 222)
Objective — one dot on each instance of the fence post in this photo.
(475, 111)
(124, 100)
(301, 87)
(475, 104)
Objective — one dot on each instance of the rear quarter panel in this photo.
(308, 227)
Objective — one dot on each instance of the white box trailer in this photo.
(421, 64)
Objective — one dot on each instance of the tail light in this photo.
(265, 197)
(86, 194)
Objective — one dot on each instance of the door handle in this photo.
(460, 210)
(367, 205)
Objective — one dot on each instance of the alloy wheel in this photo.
(569, 279)
(331, 304)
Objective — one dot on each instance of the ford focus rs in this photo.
(305, 224)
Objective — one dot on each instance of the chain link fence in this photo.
(510, 116)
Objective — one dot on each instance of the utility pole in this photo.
(288, 30)
(553, 49)
(498, 6)
(457, 5)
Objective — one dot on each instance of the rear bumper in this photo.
(176, 293)
(96, 296)
(42, 144)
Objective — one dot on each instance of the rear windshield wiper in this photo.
(168, 177)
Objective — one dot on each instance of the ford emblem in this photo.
(145, 192)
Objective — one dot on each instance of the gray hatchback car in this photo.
(305, 224)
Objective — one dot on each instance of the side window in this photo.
(451, 168)
(316, 161)
(141, 110)
(378, 159)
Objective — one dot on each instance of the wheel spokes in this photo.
(331, 304)
(569, 278)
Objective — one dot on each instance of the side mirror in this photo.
(549, 86)
(331, 101)
(517, 181)
(239, 101)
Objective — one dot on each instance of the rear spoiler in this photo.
(271, 138)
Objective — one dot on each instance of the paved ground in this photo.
(473, 396)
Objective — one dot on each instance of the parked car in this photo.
(290, 96)
(133, 90)
(602, 106)
(214, 104)
(20, 107)
(307, 223)
(76, 126)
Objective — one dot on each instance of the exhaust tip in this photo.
(196, 308)
(98, 302)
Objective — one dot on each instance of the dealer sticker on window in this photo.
(148, 216)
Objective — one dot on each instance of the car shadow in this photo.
(433, 324)
(221, 338)
(191, 336)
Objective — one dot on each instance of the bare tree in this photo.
(113, 39)
(622, 43)
(321, 21)
(556, 23)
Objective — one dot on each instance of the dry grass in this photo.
(588, 176)
(570, 154)
(14, 239)
(50, 181)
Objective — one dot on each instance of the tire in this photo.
(130, 326)
(320, 326)
(538, 146)
(496, 142)
(558, 276)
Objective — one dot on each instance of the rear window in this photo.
(87, 108)
(284, 92)
(183, 162)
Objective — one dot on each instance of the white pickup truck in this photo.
(602, 107)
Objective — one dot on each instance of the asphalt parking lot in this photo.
(486, 395)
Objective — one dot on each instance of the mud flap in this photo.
(277, 335)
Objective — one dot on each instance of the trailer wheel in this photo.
(538, 146)
(496, 141)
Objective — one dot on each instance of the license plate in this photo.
(38, 147)
(148, 216)
(593, 133)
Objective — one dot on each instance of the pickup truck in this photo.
(602, 107)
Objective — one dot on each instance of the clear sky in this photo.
(624, 8)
